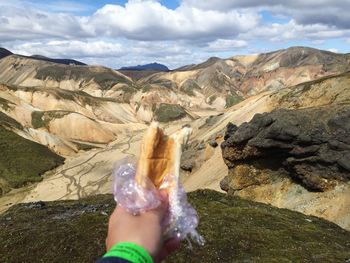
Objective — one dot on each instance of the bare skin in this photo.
(144, 230)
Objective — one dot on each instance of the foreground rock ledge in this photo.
(236, 230)
(311, 146)
(295, 159)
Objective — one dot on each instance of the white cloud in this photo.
(144, 31)
(113, 54)
(328, 12)
(19, 24)
(140, 20)
(149, 20)
(71, 49)
(294, 31)
(226, 45)
(334, 50)
(158, 48)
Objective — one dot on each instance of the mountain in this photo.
(95, 116)
(141, 71)
(4, 52)
(58, 61)
(224, 82)
(235, 230)
(152, 66)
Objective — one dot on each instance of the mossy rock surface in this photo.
(7, 121)
(189, 86)
(5, 104)
(169, 112)
(43, 118)
(232, 100)
(22, 160)
(235, 230)
(212, 98)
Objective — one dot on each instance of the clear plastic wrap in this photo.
(182, 219)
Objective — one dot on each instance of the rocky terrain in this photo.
(287, 144)
(310, 145)
(225, 82)
(234, 229)
(268, 181)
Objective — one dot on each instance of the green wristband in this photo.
(130, 251)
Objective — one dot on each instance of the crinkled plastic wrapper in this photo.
(182, 219)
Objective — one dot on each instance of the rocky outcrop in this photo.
(297, 159)
(311, 146)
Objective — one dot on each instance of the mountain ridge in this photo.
(151, 66)
(4, 53)
(57, 104)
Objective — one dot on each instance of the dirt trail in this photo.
(86, 174)
(90, 172)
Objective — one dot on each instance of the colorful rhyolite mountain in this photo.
(94, 116)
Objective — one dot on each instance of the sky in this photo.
(176, 33)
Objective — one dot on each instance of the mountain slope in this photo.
(58, 61)
(224, 82)
(60, 118)
(152, 66)
(235, 231)
(22, 161)
(97, 124)
(4, 52)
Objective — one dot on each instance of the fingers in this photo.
(172, 244)
(169, 246)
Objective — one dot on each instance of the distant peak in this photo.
(151, 66)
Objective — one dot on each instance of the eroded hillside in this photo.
(95, 116)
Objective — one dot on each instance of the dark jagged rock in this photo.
(309, 145)
(190, 155)
(230, 130)
(213, 143)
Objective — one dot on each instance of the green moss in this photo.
(232, 100)
(169, 112)
(43, 118)
(212, 98)
(238, 230)
(8, 122)
(146, 88)
(235, 231)
(84, 146)
(166, 83)
(128, 93)
(5, 104)
(189, 86)
(23, 161)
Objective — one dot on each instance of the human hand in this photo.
(144, 230)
